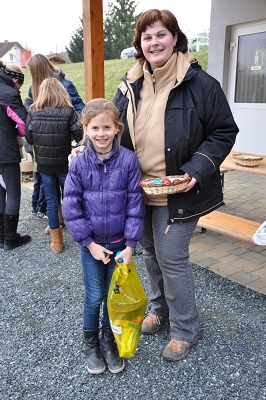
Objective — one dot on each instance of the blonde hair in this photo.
(40, 68)
(52, 94)
(98, 106)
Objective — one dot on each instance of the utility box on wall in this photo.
(25, 55)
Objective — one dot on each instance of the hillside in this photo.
(114, 71)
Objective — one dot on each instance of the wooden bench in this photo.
(229, 225)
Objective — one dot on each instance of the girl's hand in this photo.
(126, 255)
(99, 252)
(74, 152)
(190, 184)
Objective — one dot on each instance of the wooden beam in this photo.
(93, 41)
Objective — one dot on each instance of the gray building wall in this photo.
(225, 14)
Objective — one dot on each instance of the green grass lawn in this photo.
(114, 70)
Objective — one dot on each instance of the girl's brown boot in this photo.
(57, 244)
(61, 221)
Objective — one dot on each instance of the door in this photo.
(247, 86)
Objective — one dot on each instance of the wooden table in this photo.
(223, 223)
(230, 165)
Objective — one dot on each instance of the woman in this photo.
(178, 121)
(12, 124)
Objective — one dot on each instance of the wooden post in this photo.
(93, 41)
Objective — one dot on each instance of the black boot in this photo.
(2, 231)
(94, 359)
(110, 352)
(12, 238)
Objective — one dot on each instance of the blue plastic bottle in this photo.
(120, 259)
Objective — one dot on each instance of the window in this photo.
(251, 69)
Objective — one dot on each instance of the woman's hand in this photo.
(99, 252)
(126, 255)
(191, 183)
(75, 151)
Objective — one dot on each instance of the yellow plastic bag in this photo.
(126, 304)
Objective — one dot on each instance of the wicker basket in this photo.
(247, 160)
(177, 185)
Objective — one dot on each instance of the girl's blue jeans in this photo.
(97, 277)
(38, 201)
(50, 189)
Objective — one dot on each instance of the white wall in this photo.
(224, 14)
(15, 51)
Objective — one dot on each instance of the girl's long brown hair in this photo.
(52, 94)
(40, 68)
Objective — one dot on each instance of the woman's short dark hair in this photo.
(168, 20)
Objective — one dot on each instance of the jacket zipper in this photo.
(105, 198)
(173, 220)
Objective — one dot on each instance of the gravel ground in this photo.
(41, 300)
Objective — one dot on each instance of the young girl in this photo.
(40, 68)
(50, 123)
(104, 210)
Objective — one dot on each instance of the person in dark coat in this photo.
(12, 126)
(103, 208)
(51, 123)
(178, 122)
(40, 68)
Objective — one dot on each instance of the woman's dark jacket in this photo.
(12, 120)
(49, 131)
(199, 133)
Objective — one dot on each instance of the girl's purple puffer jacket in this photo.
(103, 201)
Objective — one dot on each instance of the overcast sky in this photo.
(47, 26)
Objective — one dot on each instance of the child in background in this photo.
(40, 68)
(50, 125)
(104, 210)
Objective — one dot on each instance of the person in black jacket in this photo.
(40, 68)
(51, 123)
(178, 121)
(12, 125)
